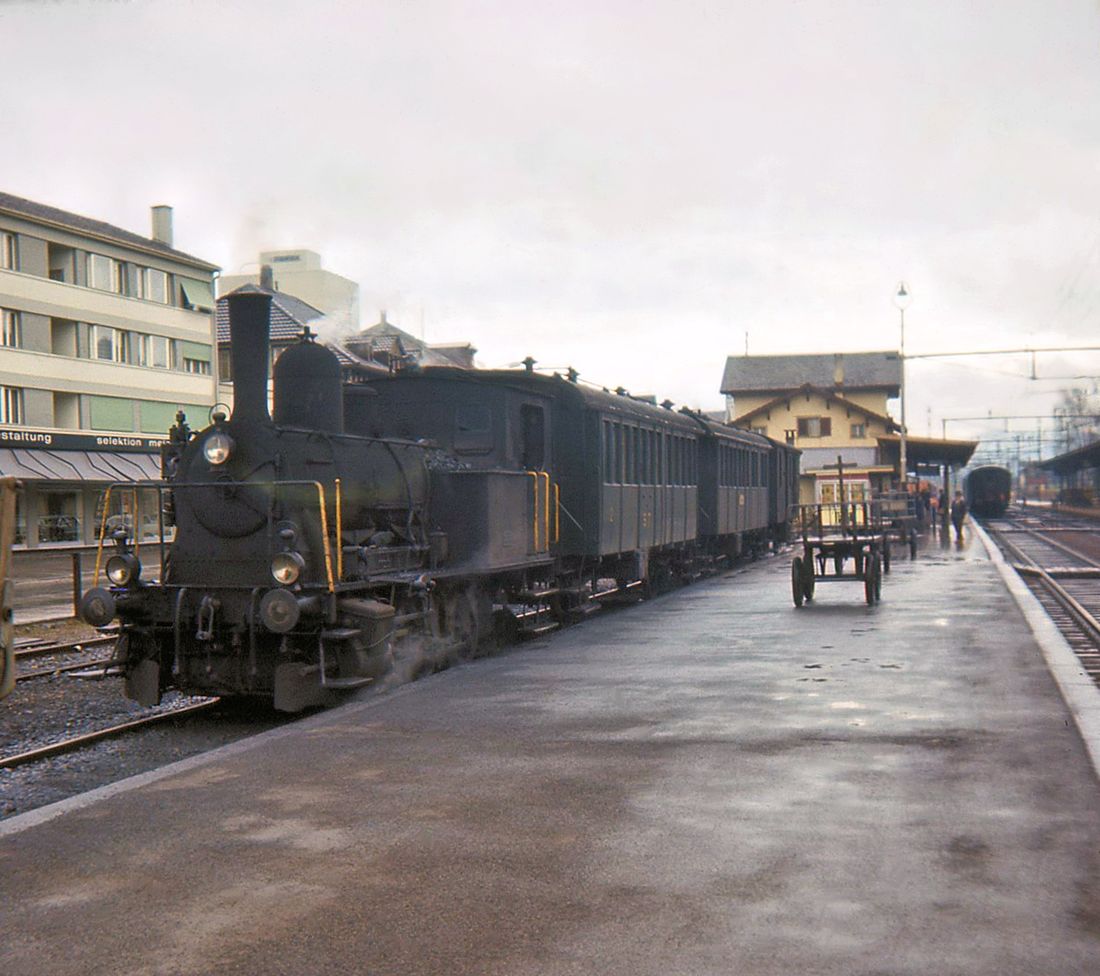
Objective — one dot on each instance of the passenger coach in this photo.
(619, 487)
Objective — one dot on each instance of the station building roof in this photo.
(841, 370)
(1075, 460)
(931, 450)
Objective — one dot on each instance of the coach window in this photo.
(533, 425)
(608, 452)
(473, 429)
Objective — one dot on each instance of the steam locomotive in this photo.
(437, 509)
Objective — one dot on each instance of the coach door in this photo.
(533, 459)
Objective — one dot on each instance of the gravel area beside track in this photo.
(48, 709)
(31, 722)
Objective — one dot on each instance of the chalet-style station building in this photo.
(829, 406)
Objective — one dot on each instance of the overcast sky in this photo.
(626, 187)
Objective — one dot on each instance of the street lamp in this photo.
(902, 300)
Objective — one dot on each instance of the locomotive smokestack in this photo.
(249, 328)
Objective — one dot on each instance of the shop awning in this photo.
(103, 467)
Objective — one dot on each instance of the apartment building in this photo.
(105, 336)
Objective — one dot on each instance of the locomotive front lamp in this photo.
(218, 447)
(286, 567)
(123, 569)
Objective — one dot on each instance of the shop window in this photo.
(60, 518)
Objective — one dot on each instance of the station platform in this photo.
(711, 782)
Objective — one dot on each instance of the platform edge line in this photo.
(1078, 690)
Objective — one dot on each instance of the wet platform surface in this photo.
(713, 782)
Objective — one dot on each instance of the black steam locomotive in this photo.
(443, 506)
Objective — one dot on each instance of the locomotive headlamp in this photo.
(286, 567)
(218, 447)
(123, 569)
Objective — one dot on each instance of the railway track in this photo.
(90, 738)
(69, 657)
(1059, 559)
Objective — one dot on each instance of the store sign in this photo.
(80, 442)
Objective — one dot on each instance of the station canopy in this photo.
(1076, 460)
(931, 451)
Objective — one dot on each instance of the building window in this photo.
(9, 252)
(155, 285)
(763, 431)
(859, 431)
(104, 343)
(11, 405)
(103, 273)
(155, 352)
(199, 366)
(11, 330)
(815, 426)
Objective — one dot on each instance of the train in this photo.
(427, 514)
(988, 490)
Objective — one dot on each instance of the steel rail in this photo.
(1041, 535)
(1025, 565)
(62, 669)
(67, 745)
(73, 648)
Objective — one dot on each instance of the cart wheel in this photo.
(878, 579)
(808, 579)
(796, 581)
(886, 555)
(912, 543)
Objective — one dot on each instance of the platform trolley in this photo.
(841, 541)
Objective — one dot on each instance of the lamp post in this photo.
(902, 300)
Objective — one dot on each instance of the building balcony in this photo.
(59, 299)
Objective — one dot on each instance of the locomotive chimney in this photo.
(267, 277)
(249, 328)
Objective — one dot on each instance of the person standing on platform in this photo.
(958, 515)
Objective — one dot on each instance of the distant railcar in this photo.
(988, 490)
